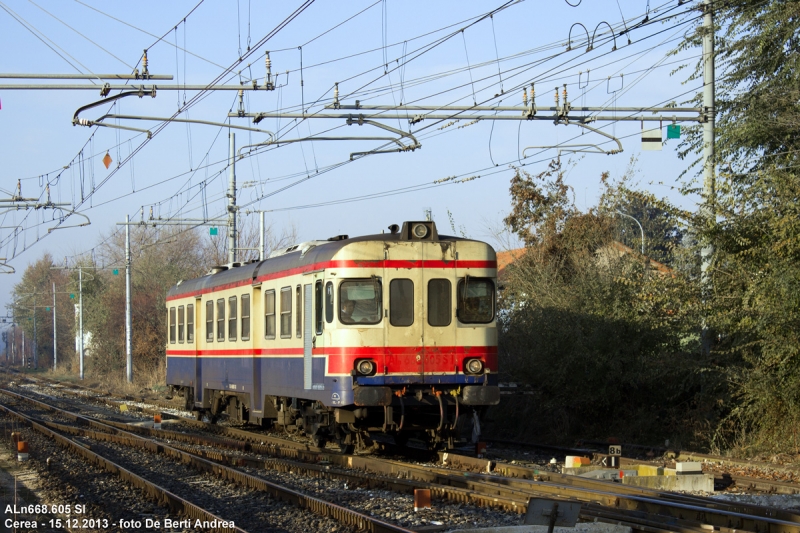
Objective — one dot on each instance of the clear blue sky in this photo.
(529, 37)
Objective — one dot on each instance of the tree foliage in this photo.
(608, 343)
(159, 258)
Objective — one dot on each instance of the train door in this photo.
(404, 343)
(309, 324)
(251, 322)
(199, 340)
(318, 309)
(440, 358)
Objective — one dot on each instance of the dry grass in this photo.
(146, 382)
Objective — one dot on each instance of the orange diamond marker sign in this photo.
(107, 160)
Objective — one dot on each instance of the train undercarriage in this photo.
(434, 417)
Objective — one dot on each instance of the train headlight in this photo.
(365, 367)
(473, 366)
(420, 231)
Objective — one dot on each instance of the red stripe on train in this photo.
(342, 263)
(396, 359)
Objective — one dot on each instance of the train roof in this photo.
(303, 254)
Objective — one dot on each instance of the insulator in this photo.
(556, 97)
(268, 64)
(336, 95)
(565, 93)
(151, 212)
(524, 96)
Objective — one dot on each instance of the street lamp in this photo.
(637, 223)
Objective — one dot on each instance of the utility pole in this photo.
(80, 315)
(35, 344)
(80, 312)
(707, 210)
(262, 250)
(232, 200)
(128, 348)
(55, 330)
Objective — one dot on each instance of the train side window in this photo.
(190, 323)
(439, 302)
(245, 317)
(329, 302)
(210, 321)
(181, 321)
(299, 310)
(401, 302)
(361, 301)
(286, 312)
(172, 325)
(318, 307)
(221, 319)
(475, 300)
(232, 318)
(269, 312)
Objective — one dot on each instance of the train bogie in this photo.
(391, 332)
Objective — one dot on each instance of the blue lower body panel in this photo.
(273, 376)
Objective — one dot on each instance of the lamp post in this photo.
(637, 223)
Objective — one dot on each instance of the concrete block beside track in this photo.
(704, 482)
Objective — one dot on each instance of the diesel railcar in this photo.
(341, 338)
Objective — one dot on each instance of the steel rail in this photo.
(449, 489)
(317, 506)
(714, 512)
(516, 473)
(175, 503)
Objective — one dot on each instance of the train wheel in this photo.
(347, 449)
(401, 439)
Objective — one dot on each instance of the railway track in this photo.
(107, 446)
(507, 487)
(721, 467)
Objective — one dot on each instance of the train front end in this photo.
(415, 333)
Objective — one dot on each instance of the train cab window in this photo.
(318, 307)
(401, 302)
(172, 325)
(190, 323)
(210, 321)
(299, 310)
(286, 312)
(221, 319)
(232, 318)
(475, 300)
(269, 314)
(439, 302)
(245, 317)
(329, 302)
(181, 322)
(360, 301)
